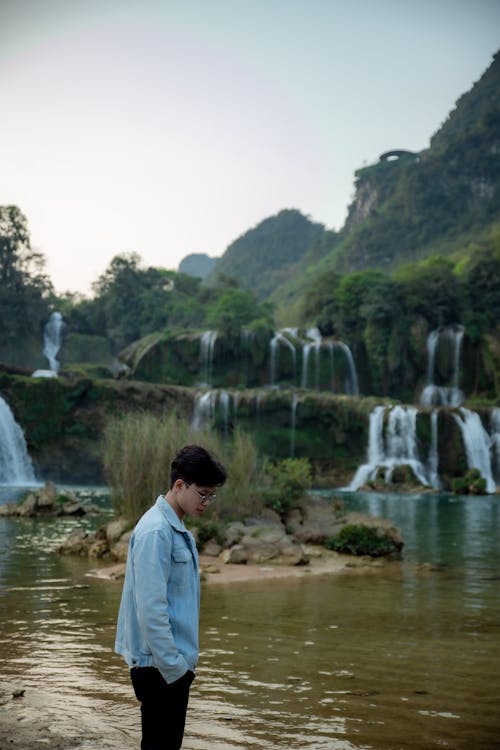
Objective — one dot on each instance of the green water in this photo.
(405, 657)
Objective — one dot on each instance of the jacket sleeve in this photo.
(151, 566)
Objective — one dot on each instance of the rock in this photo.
(211, 548)
(119, 551)
(46, 497)
(77, 543)
(320, 521)
(98, 548)
(27, 507)
(235, 555)
(72, 509)
(234, 533)
(116, 528)
(9, 509)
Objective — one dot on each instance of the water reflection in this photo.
(406, 658)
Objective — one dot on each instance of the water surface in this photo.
(406, 657)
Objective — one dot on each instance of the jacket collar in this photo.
(170, 514)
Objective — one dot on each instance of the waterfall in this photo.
(225, 402)
(495, 443)
(15, 464)
(207, 348)
(204, 409)
(315, 343)
(52, 339)
(399, 446)
(477, 444)
(278, 339)
(293, 422)
(351, 385)
(433, 459)
(435, 395)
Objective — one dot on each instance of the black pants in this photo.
(163, 707)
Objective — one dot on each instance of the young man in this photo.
(157, 631)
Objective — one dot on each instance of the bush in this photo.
(363, 540)
(289, 480)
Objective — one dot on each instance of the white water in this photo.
(207, 348)
(477, 444)
(278, 340)
(16, 467)
(295, 401)
(314, 344)
(495, 443)
(52, 339)
(435, 395)
(393, 447)
(433, 459)
(351, 385)
(204, 409)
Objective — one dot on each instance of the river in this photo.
(407, 657)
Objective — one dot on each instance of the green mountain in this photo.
(266, 256)
(409, 206)
(197, 264)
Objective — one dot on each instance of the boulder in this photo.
(115, 529)
(78, 543)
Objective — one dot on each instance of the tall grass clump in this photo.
(138, 451)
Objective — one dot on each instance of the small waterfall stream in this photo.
(439, 395)
(280, 339)
(477, 444)
(394, 446)
(52, 339)
(207, 349)
(16, 467)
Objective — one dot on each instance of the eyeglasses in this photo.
(204, 499)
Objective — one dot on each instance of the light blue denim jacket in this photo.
(159, 611)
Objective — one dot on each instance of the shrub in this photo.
(288, 482)
(363, 540)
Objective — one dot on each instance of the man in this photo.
(157, 631)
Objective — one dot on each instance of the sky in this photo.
(170, 127)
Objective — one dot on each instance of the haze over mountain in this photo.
(406, 207)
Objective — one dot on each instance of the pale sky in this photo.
(171, 127)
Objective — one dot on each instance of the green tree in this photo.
(131, 301)
(234, 309)
(25, 289)
(432, 290)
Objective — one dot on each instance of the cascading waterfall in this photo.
(314, 344)
(495, 443)
(351, 385)
(207, 348)
(399, 446)
(295, 401)
(477, 444)
(16, 467)
(204, 409)
(225, 403)
(433, 459)
(52, 339)
(436, 395)
(278, 339)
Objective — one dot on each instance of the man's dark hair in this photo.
(196, 465)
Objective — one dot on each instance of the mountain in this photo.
(197, 264)
(265, 257)
(410, 205)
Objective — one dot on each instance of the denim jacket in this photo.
(159, 610)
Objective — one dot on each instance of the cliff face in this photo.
(410, 205)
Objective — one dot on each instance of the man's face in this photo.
(192, 498)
